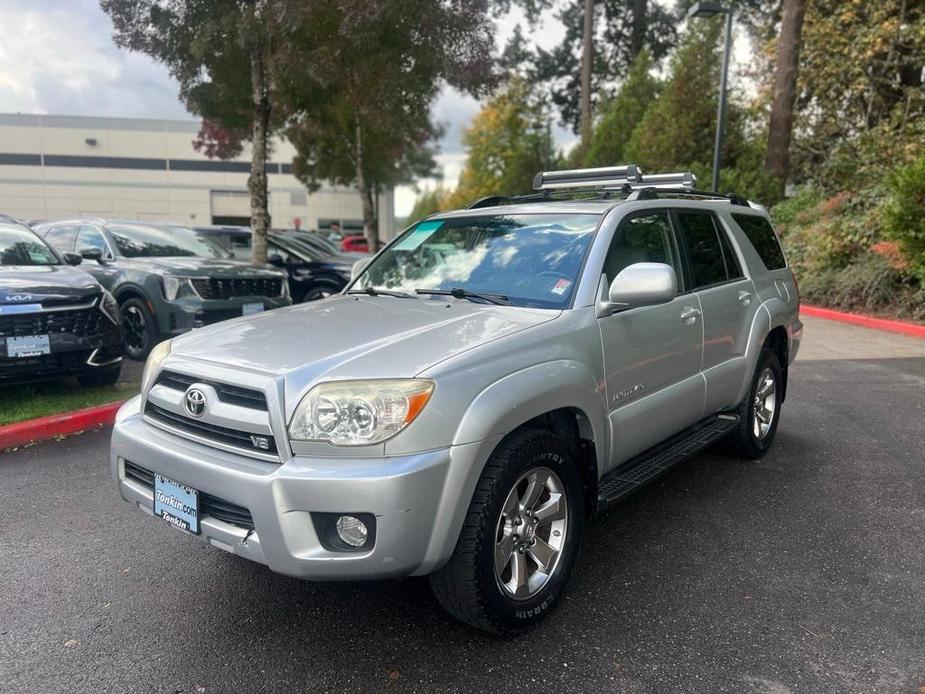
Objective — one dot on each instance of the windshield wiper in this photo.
(372, 291)
(460, 293)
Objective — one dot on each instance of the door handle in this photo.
(689, 314)
(745, 297)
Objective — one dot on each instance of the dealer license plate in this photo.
(250, 309)
(27, 346)
(176, 503)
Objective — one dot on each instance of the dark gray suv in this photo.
(166, 278)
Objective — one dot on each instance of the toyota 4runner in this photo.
(488, 382)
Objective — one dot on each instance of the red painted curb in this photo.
(21, 433)
(893, 326)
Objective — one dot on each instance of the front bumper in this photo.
(419, 501)
(71, 355)
(184, 314)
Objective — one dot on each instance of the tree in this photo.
(427, 203)
(508, 142)
(861, 104)
(621, 30)
(785, 85)
(224, 54)
(587, 58)
(621, 114)
(362, 82)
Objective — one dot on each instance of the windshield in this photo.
(295, 246)
(141, 241)
(22, 247)
(319, 243)
(532, 259)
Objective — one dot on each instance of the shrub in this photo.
(904, 215)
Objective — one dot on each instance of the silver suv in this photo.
(487, 383)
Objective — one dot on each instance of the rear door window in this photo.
(704, 248)
(759, 232)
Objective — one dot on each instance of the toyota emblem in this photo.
(195, 402)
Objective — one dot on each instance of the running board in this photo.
(639, 471)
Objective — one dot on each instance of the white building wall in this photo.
(54, 167)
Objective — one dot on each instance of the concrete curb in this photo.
(20, 433)
(892, 326)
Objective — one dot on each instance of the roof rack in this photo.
(605, 181)
(601, 177)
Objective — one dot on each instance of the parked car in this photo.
(326, 246)
(166, 278)
(312, 275)
(354, 243)
(488, 382)
(56, 321)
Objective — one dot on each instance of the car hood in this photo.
(355, 337)
(25, 284)
(201, 267)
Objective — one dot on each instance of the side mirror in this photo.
(92, 254)
(358, 268)
(642, 284)
(73, 259)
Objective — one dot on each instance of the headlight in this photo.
(109, 307)
(171, 287)
(359, 413)
(155, 358)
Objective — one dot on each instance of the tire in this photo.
(109, 377)
(468, 586)
(320, 291)
(755, 433)
(140, 328)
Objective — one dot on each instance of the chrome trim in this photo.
(211, 443)
(90, 359)
(218, 413)
(57, 309)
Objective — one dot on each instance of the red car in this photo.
(354, 243)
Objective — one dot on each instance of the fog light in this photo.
(352, 531)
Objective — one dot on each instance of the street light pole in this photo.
(710, 9)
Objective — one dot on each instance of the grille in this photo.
(83, 323)
(209, 505)
(213, 432)
(233, 395)
(217, 288)
(46, 363)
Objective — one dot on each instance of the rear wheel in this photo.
(759, 413)
(139, 327)
(520, 537)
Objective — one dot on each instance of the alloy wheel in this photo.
(133, 322)
(531, 533)
(765, 404)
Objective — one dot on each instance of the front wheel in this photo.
(139, 327)
(320, 291)
(759, 413)
(520, 538)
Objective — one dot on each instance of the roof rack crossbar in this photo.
(587, 178)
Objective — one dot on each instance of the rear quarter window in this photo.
(759, 232)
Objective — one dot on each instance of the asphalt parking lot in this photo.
(803, 572)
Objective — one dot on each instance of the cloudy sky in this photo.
(57, 56)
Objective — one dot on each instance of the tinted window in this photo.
(22, 247)
(142, 241)
(733, 269)
(759, 232)
(62, 237)
(703, 248)
(532, 259)
(643, 238)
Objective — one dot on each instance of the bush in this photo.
(868, 284)
(904, 216)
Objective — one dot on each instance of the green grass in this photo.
(19, 403)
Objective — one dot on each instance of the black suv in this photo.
(55, 320)
(166, 277)
(314, 273)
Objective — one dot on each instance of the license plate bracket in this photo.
(176, 503)
(250, 309)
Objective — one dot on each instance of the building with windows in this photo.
(55, 167)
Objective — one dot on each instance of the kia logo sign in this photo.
(18, 297)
